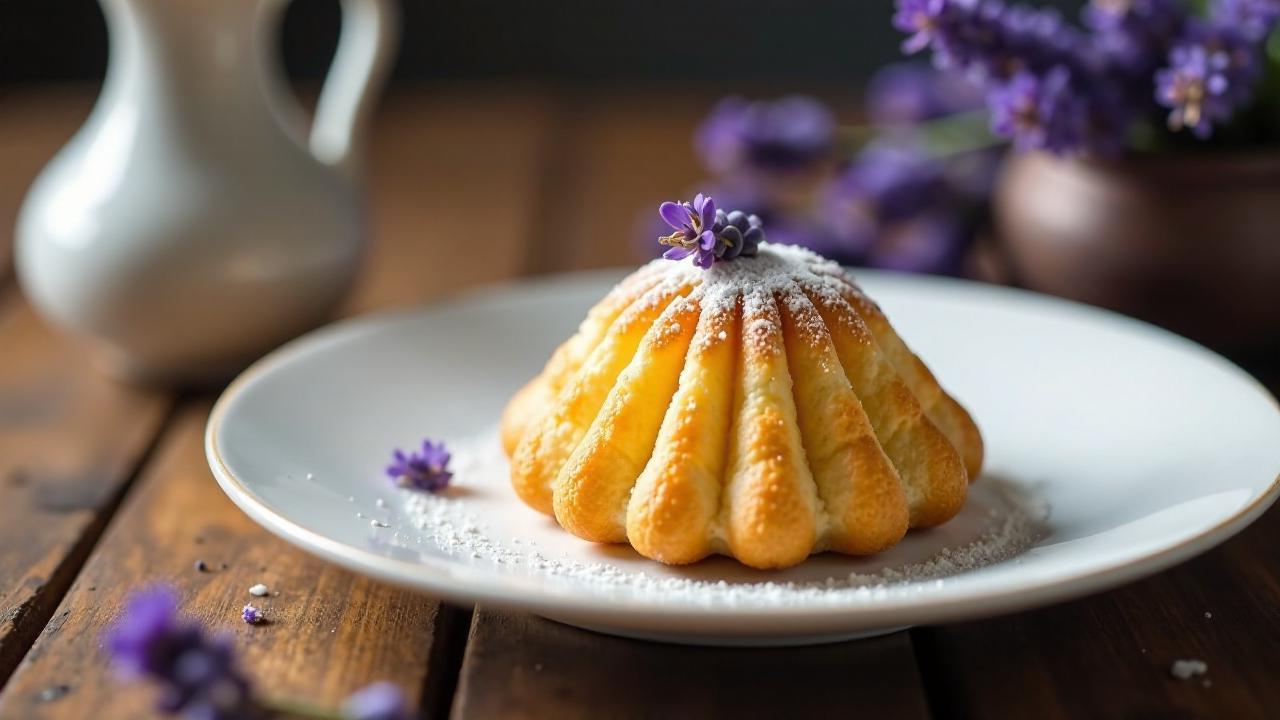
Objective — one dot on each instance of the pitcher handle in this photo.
(370, 32)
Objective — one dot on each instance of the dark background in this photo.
(570, 41)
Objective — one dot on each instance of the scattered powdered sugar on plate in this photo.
(458, 526)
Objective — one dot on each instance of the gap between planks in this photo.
(483, 151)
(71, 443)
(328, 631)
(28, 619)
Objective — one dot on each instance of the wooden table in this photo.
(104, 489)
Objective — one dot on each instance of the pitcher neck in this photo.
(193, 54)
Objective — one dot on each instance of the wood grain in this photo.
(1109, 656)
(455, 187)
(521, 666)
(455, 182)
(328, 631)
(69, 442)
(471, 185)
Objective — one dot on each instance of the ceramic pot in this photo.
(1191, 243)
(190, 225)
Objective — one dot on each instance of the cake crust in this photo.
(763, 409)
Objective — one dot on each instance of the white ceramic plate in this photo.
(1144, 449)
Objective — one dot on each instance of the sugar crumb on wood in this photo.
(1187, 669)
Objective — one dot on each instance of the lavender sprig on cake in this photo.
(707, 233)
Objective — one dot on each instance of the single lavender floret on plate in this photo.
(425, 470)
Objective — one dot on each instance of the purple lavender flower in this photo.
(912, 92)
(379, 701)
(987, 39)
(1211, 74)
(849, 218)
(1040, 112)
(741, 232)
(933, 242)
(895, 207)
(1253, 19)
(1048, 84)
(789, 223)
(786, 135)
(897, 180)
(197, 675)
(1134, 35)
(708, 234)
(251, 615)
(427, 470)
(693, 230)
(923, 20)
(1194, 90)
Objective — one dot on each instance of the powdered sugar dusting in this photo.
(500, 533)
(782, 270)
(780, 274)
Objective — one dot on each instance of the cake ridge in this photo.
(852, 463)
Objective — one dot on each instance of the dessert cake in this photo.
(752, 403)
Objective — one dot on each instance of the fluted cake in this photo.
(762, 408)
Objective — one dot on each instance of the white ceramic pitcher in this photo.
(187, 227)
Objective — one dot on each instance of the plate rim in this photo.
(434, 576)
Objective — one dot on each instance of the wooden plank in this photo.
(521, 666)
(1110, 655)
(69, 442)
(442, 222)
(455, 189)
(34, 124)
(329, 631)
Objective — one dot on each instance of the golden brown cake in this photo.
(762, 408)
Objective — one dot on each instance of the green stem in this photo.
(948, 135)
(292, 707)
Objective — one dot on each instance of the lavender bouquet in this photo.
(905, 191)
(1138, 76)
(909, 189)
